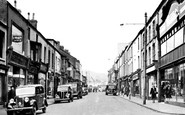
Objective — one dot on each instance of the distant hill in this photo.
(95, 78)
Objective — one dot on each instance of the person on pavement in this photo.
(153, 93)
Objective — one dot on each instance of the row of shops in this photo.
(27, 57)
(167, 60)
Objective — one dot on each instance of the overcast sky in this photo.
(89, 29)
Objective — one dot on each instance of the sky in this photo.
(89, 29)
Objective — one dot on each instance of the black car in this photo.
(28, 99)
(64, 93)
(111, 89)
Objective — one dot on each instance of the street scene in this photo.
(95, 57)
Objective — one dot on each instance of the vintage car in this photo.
(84, 91)
(64, 93)
(111, 89)
(76, 89)
(28, 99)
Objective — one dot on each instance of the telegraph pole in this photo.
(145, 60)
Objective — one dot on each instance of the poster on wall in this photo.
(17, 39)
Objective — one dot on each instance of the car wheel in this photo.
(69, 100)
(33, 111)
(44, 110)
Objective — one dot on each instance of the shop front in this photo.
(175, 76)
(33, 70)
(18, 66)
(3, 85)
(151, 79)
(136, 85)
(50, 84)
(42, 75)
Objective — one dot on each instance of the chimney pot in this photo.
(33, 16)
(28, 16)
(15, 3)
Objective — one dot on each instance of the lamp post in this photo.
(145, 61)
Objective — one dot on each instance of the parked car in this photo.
(76, 89)
(28, 99)
(111, 89)
(64, 93)
(84, 91)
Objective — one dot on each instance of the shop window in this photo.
(169, 73)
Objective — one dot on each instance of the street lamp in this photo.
(131, 24)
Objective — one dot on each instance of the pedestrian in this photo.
(163, 91)
(168, 92)
(11, 93)
(153, 93)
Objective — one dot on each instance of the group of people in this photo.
(166, 92)
(126, 91)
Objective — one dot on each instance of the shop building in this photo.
(17, 43)
(3, 60)
(172, 42)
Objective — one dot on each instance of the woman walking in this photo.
(153, 93)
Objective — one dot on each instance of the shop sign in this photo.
(134, 77)
(44, 67)
(169, 17)
(34, 67)
(182, 10)
(19, 59)
(150, 69)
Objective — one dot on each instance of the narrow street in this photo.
(98, 104)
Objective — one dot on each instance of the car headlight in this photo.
(67, 94)
(31, 102)
(57, 96)
(26, 99)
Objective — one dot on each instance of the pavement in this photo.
(160, 107)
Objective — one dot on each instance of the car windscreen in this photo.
(111, 87)
(62, 88)
(25, 91)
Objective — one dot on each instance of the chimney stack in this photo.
(33, 21)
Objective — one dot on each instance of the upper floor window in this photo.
(44, 54)
(17, 39)
(34, 51)
(53, 59)
(149, 56)
(153, 51)
(2, 35)
(154, 28)
(49, 57)
(149, 33)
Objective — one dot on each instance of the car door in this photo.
(41, 96)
